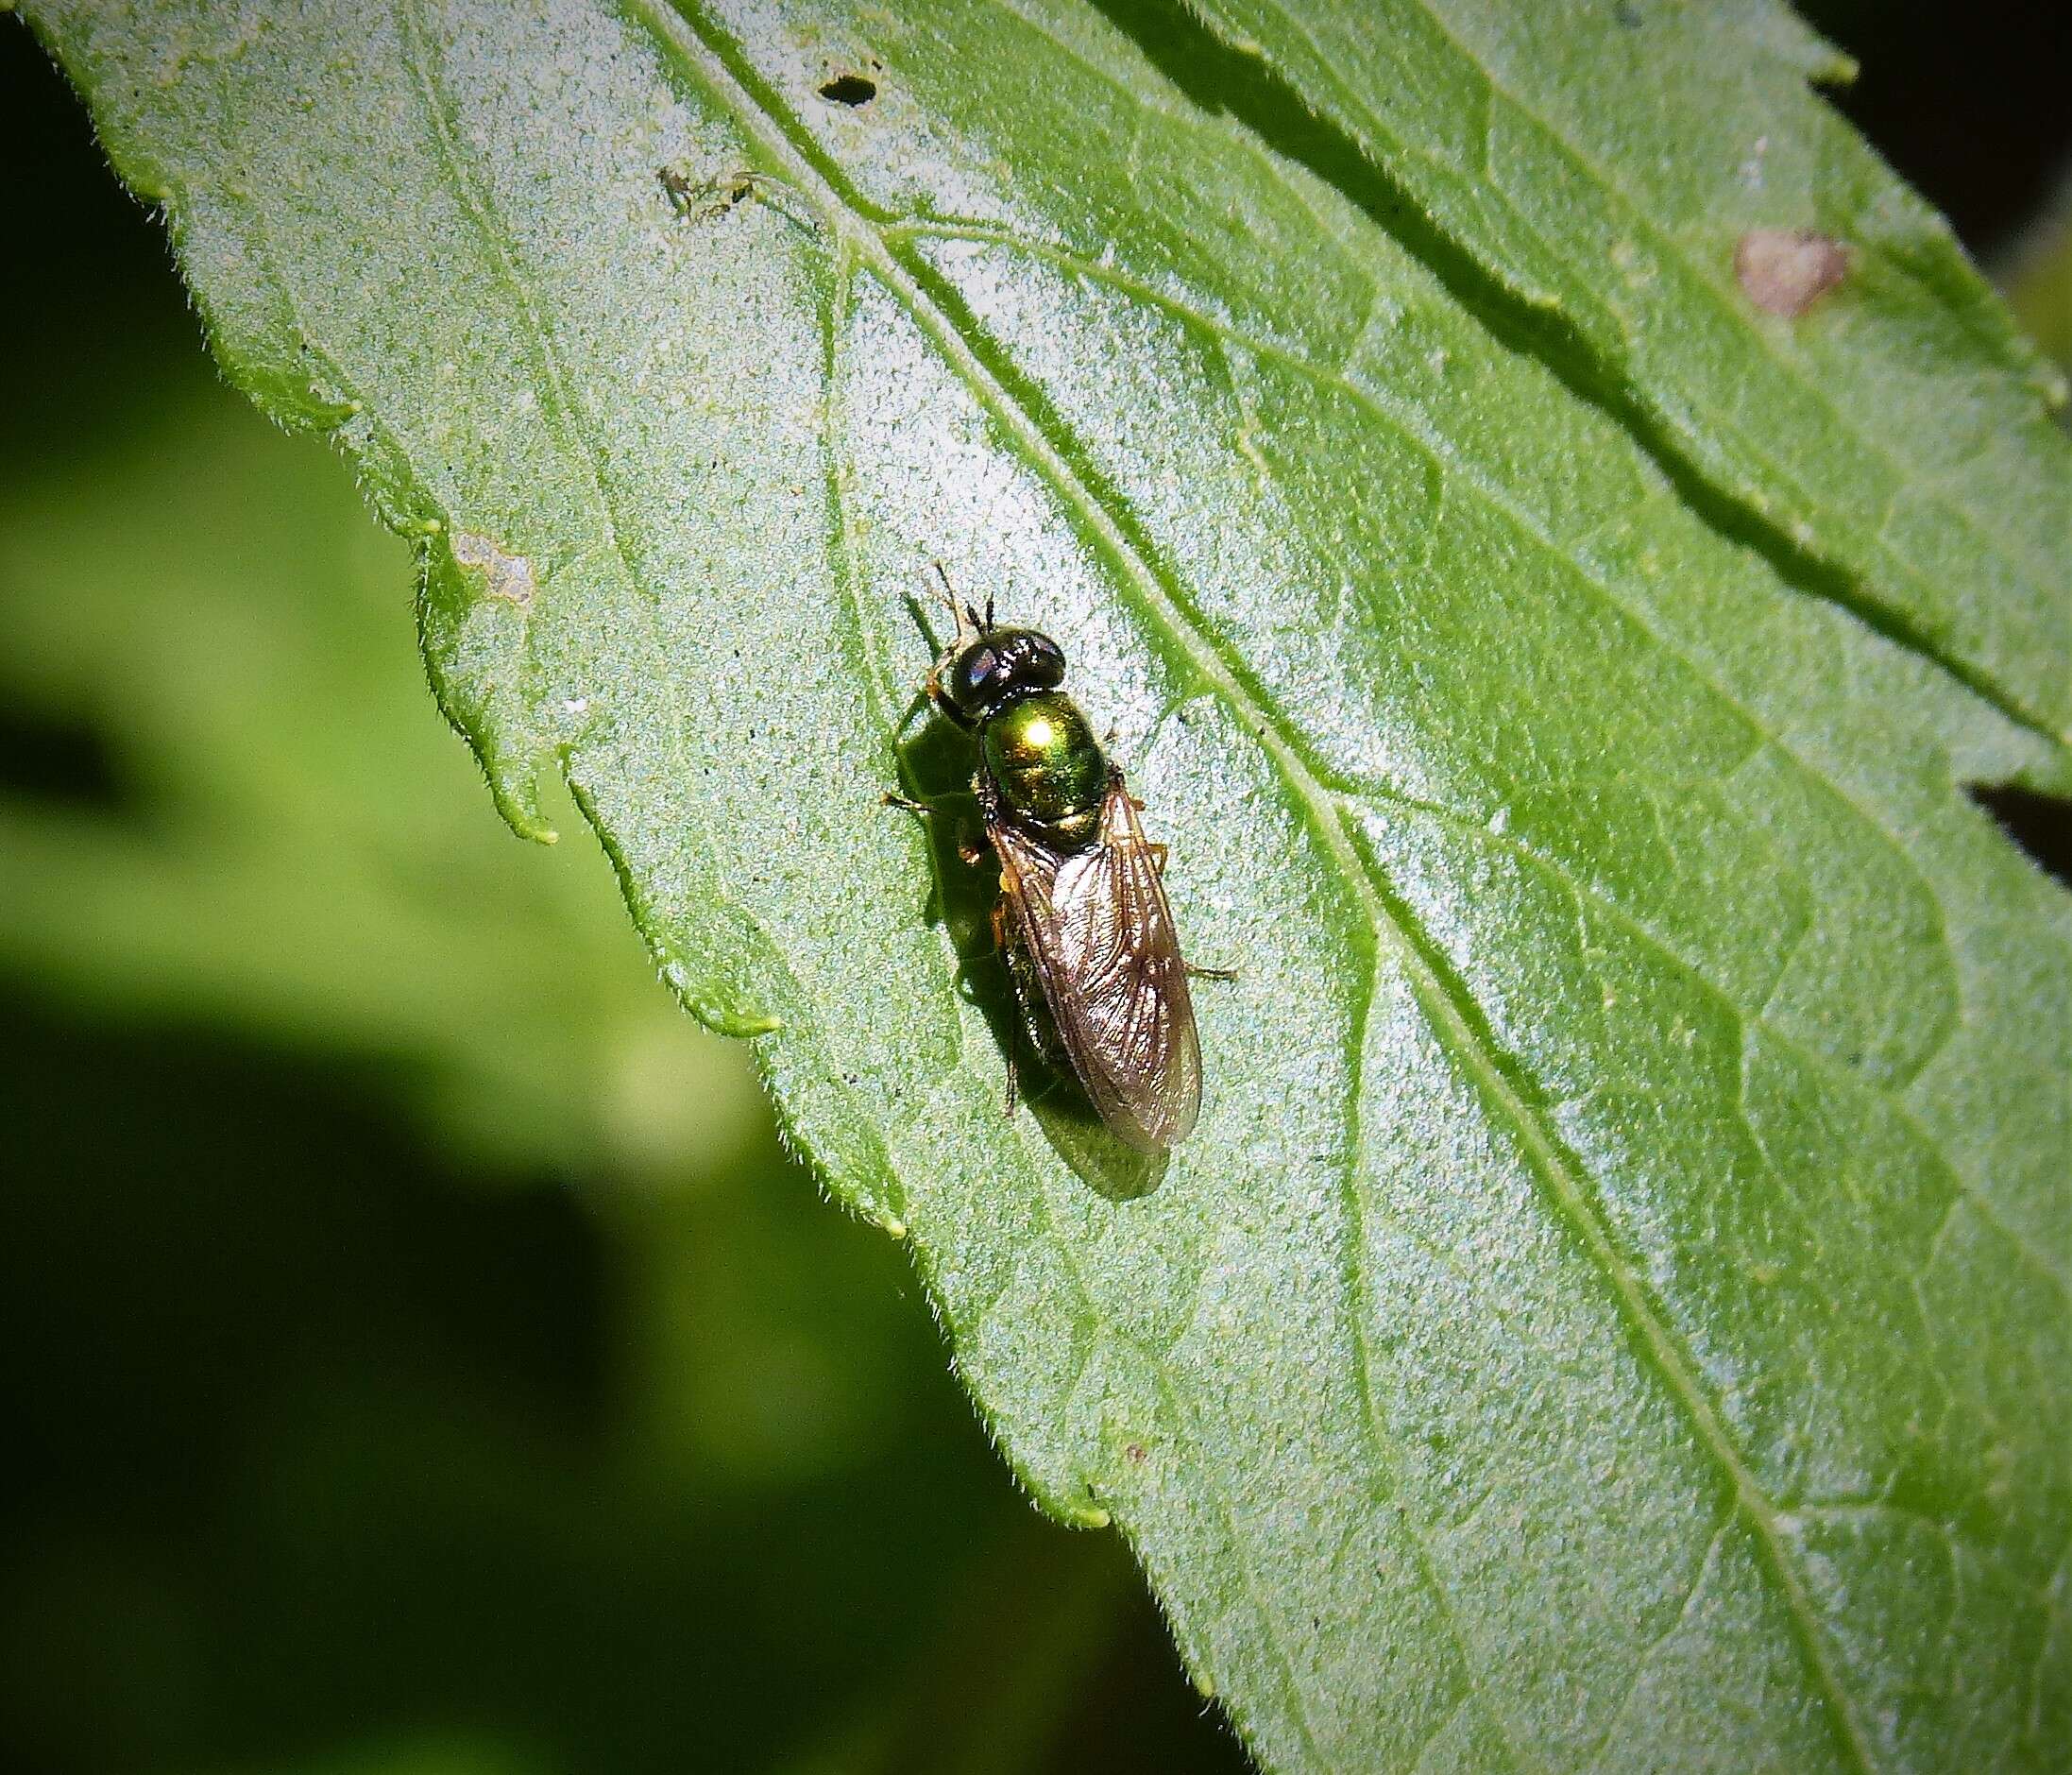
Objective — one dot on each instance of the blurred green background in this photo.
(420, 1359)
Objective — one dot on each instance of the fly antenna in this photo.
(968, 623)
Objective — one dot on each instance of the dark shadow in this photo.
(1220, 79)
(936, 761)
(1080, 1138)
(1989, 150)
(84, 249)
(55, 758)
(2041, 824)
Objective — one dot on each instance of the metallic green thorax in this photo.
(1050, 768)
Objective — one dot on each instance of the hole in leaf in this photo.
(2041, 824)
(850, 89)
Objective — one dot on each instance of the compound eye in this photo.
(971, 682)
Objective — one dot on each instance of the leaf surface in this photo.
(1584, 175)
(1614, 1312)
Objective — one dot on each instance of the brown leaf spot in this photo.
(1786, 270)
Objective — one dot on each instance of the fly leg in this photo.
(1003, 938)
(969, 850)
(1158, 862)
(1030, 1033)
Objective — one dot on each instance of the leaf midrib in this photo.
(1964, 1189)
(707, 57)
(1433, 445)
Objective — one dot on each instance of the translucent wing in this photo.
(1098, 931)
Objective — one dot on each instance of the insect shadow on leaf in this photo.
(936, 761)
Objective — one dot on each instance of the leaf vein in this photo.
(572, 438)
(1907, 474)
(1439, 991)
(1359, 1306)
(1829, 1068)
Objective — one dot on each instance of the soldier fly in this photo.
(1081, 919)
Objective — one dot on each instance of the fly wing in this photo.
(1098, 928)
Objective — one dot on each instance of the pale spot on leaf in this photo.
(506, 576)
(1786, 270)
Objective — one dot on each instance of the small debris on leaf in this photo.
(697, 200)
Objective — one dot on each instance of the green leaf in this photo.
(1614, 1309)
(294, 846)
(1586, 174)
(2036, 274)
